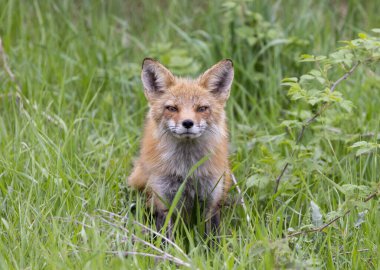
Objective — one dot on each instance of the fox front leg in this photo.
(160, 222)
(165, 189)
(213, 222)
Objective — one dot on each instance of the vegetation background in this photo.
(71, 119)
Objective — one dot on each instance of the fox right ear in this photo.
(218, 79)
(155, 77)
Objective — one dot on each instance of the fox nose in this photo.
(188, 123)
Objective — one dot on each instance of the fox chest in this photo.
(178, 160)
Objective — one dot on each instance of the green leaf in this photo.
(355, 190)
(307, 58)
(307, 77)
(258, 181)
(364, 147)
(360, 219)
(320, 58)
(5, 222)
(251, 40)
(251, 181)
(290, 79)
(364, 150)
(359, 144)
(287, 84)
(296, 92)
(229, 5)
(313, 100)
(245, 31)
(346, 105)
(291, 123)
(315, 72)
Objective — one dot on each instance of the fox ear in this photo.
(155, 77)
(218, 78)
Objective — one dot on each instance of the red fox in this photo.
(186, 122)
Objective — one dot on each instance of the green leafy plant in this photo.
(317, 89)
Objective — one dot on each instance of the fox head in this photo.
(187, 108)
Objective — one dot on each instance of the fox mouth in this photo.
(187, 134)
(180, 132)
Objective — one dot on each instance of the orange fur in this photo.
(168, 149)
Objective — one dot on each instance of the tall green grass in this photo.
(65, 155)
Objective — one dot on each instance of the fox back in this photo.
(185, 123)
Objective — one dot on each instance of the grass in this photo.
(65, 156)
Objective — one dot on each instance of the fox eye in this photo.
(202, 109)
(171, 109)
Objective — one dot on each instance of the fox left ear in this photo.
(218, 79)
(155, 77)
